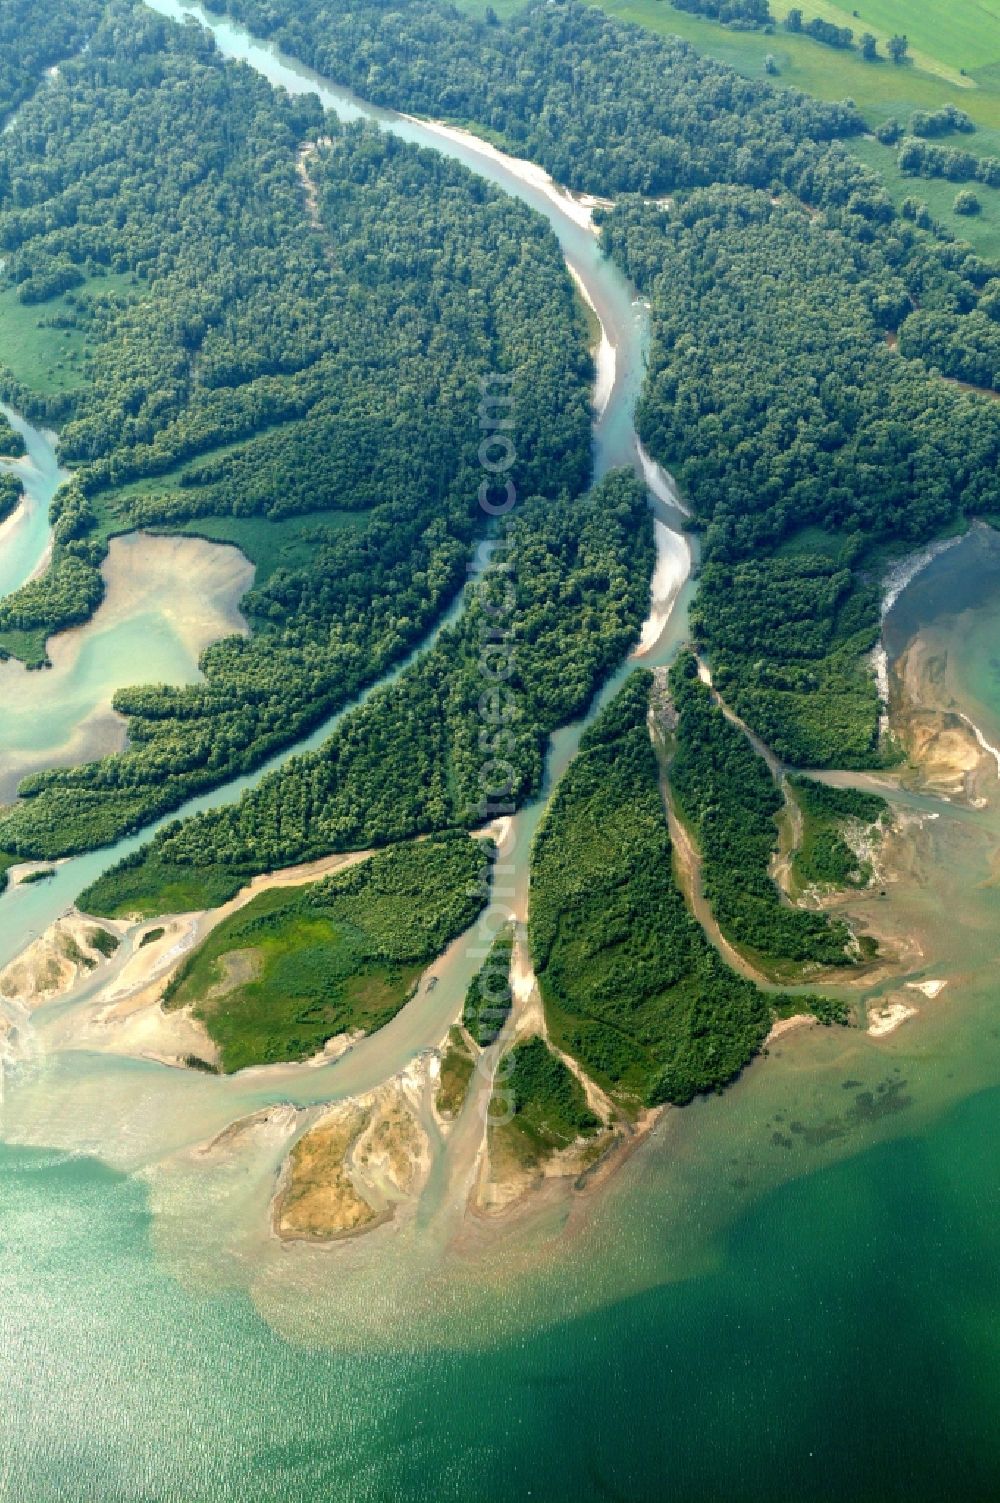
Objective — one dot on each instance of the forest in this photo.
(631, 985)
(726, 795)
(802, 441)
(34, 39)
(417, 755)
(489, 998)
(604, 107)
(268, 365)
(793, 429)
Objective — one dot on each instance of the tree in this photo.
(794, 20)
(898, 47)
(966, 203)
(869, 47)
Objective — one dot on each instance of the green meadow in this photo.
(297, 966)
(45, 346)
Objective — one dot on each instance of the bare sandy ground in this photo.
(673, 565)
(605, 356)
(191, 585)
(358, 1164)
(576, 206)
(947, 751)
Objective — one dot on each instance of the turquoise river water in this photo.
(788, 1292)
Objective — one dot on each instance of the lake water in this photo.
(788, 1292)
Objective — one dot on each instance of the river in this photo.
(25, 911)
(788, 1292)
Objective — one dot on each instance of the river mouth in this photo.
(795, 1222)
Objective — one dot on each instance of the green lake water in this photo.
(789, 1292)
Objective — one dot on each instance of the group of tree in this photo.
(920, 158)
(457, 738)
(965, 347)
(12, 445)
(11, 491)
(740, 14)
(800, 439)
(832, 35)
(941, 122)
(272, 362)
(726, 795)
(489, 998)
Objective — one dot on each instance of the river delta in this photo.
(161, 1341)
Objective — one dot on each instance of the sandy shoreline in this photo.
(673, 565)
(579, 207)
(606, 358)
(166, 599)
(660, 482)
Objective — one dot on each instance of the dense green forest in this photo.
(606, 108)
(771, 394)
(11, 491)
(548, 1104)
(823, 857)
(268, 365)
(631, 985)
(11, 442)
(298, 966)
(725, 793)
(417, 756)
(800, 438)
(488, 999)
(35, 38)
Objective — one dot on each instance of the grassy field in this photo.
(285, 544)
(297, 966)
(982, 231)
(276, 981)
(48, 359)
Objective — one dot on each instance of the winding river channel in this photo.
(801, 1248)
